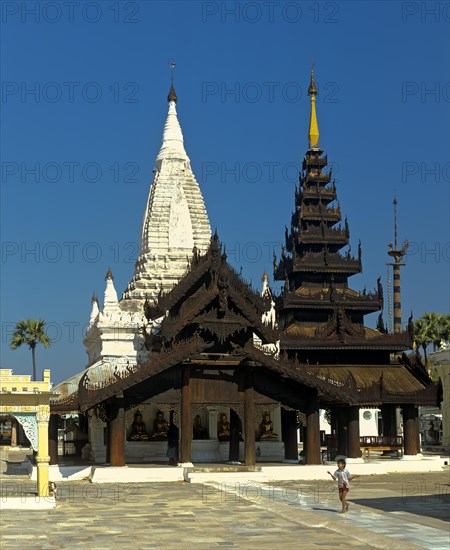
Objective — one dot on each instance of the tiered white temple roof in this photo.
(175, 222)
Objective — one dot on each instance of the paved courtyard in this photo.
(395, 511)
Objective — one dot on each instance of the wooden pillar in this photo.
(342, 415)
(249, 421)
(353, 442)
(53, 438)
(313, 431)
(388, 417)
(233, 453)
(186, 416)
(117, 433)
(289, 434)
(409, 430)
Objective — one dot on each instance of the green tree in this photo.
(444, 328)
(30, 332)
(428, 329)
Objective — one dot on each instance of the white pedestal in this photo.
(145, 451)
(206, 450)
(269, 451)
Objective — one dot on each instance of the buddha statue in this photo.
(266, 428)
(138, 431)
(199, 431)
(160, 427)
(223, 428)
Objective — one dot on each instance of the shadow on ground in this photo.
(436, 505)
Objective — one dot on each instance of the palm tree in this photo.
(444, 328)
(429, 329)
(433, 321)
(30, 332)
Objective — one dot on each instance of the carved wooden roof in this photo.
(341, 333)
(212, 297)
(90, 394)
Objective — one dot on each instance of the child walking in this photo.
(343, 476)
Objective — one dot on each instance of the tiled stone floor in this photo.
(395, 511)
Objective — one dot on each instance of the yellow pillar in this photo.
(42, 458)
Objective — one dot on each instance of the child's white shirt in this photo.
(342, 477)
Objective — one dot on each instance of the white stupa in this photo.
(175, 222)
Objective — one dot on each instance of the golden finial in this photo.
(313, 132)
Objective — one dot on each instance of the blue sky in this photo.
(92, 128)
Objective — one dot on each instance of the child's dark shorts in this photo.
(343, 490)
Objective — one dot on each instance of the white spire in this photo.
(110, 303)
(94, 311)
(175, 219)
(172, 142)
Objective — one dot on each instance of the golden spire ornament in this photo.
(313, 132)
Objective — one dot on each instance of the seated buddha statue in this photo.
(160, 427)
(138, 431)
(198, 430)
(266, 428)
(223, 428)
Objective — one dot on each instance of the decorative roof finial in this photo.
(313, 132)
(109, 274)
(172, 95)
(312, 85)
(94, 298)
(395, 221)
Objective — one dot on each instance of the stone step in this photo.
(216, 468)
(225, 477)
(134, 474)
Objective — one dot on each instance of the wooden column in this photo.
(117, 433)
(186, 416)
(53, 438)
(342, 416)
(249, 421)
(409, 430)
(313, 432)
(353, 442)
(289, 434)
(233, 453)
(389, 420)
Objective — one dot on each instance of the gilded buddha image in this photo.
(266, 428)
(138, 430)
(160, 427)
(199, 432)
(223, 428)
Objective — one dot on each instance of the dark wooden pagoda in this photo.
(321, 319)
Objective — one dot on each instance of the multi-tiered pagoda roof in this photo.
(318, 310)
